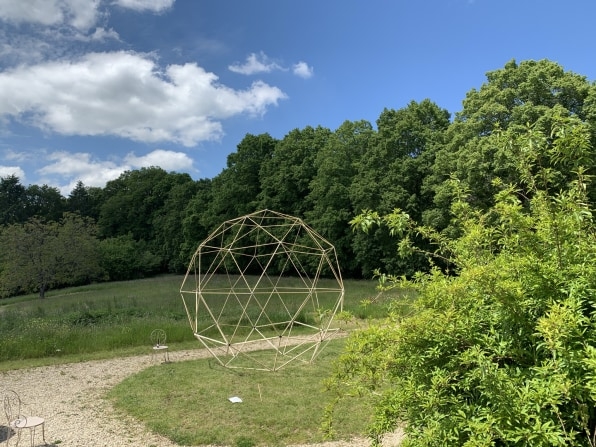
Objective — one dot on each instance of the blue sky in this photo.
(91, 88)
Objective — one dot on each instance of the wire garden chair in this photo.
(158, 340)
(17, 422)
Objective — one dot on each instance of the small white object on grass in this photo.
(235, 399)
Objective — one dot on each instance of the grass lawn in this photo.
(188, 403)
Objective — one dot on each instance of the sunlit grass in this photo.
(185, 401)
(188, 403)
(113, 319)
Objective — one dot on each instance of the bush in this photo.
(123, 258)
(502, 352)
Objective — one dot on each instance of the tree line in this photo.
(150, 221)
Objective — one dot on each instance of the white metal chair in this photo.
(17, 422)
(158, 340)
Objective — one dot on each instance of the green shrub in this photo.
(503, 352)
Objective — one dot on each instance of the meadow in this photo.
(116, 318)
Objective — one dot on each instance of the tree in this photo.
(124, 258)
(243, 167)
(12, 201)
(136, 204)
(38, 255)
(195, 226)
(286, 176)
(503, 352)
(130, 201)
(329, 195)
(391, 175)
(84, 200)
(236, 189)
(45, 202)
(529, 92)
(168, 223)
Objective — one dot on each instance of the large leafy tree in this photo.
(168, 222)
(236, 189)
(146, 204)
(130, 201)
(12, 200)
(287, 175)
(38, 255)
(391, 175)
(529, 92)
(84, 200)
(501, 354)
(45, 202)
(124, 258)
(195, 227)
(329, 195)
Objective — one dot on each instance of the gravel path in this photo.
(71, 399)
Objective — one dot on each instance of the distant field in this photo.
(116, 318)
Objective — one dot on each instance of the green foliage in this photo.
(392, 173)
(329, 196)
(286, 176)
(195, 221)
(38, 255)
(12, 201)
(124, 258)
(148, 205)
(536, 92)
(503, 352)
(84, 200)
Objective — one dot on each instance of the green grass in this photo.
(115, 319)
(188, 403)
(80, 323)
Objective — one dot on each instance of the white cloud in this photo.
(128, 95)
(80, 14)
(7, 171)
(65, 169)
(255, 63)
(101, 34)
(146, 5)
(79, 166)
(15, 156)
(261, 63)
(167, 160)
(303, 70)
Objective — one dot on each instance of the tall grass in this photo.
(118, 317)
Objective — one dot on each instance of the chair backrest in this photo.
(158, 337)
(12, 405)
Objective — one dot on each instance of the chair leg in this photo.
(43, 433)
(17, 434)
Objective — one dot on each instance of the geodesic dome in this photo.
(263, 281)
